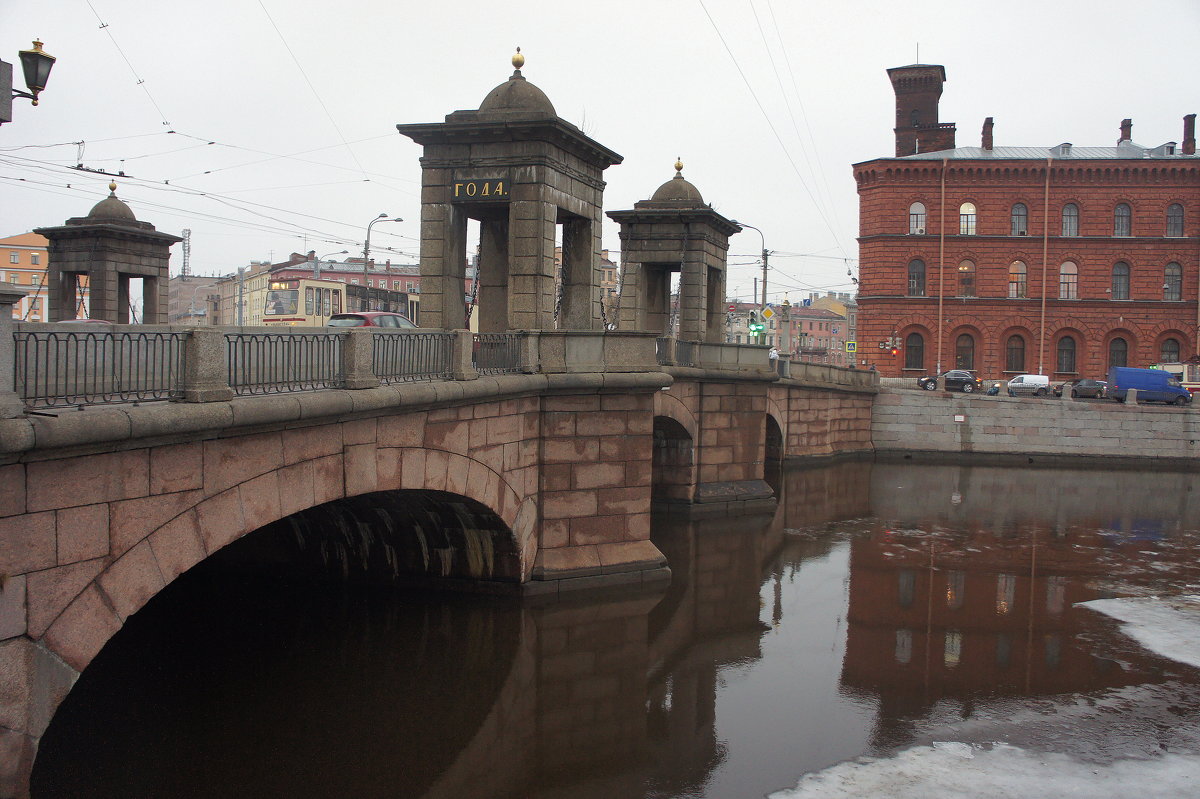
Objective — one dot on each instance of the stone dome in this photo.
(111, 208)
(517, 94)
(677, 190)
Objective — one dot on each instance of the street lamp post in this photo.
(765, 254)
(367, 254)
(317, 268)
(36, 64)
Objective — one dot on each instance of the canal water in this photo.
(883, 610)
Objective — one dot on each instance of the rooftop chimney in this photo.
(1189, 134)
(987, 133)
(1126, 130)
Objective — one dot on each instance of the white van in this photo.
(1029, 386)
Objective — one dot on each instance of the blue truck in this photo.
(1153, 385)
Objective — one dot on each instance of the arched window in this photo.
(1068, 281)
(964, 352)
(1169, 353)
(1070, 220)
(1118, 352)
(1014, 354)
(914, 351)
(1173, 282)
(1020, 220)
(916, 219)
(1123, 220)
(1120, 281)
(1066, 355)
(966, 279)
(966, 219)
(1017, 280)
(1175, 219)
(916, 278)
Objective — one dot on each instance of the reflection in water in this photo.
(879, 605)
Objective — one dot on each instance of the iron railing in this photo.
(64, 369)
(276, 362)
(496, 353)
(404, 356)
(673, 352)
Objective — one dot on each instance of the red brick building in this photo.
(1055, 260)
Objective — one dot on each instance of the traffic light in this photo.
(895, 351)
(755, 326)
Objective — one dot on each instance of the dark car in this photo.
(1087, 388)
(954, 380)
(371, 319)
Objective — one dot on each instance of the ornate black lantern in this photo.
(36, 63)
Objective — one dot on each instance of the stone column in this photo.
(491, 302)
(443, 266)
(715, 321)
(205, 378)
(693, 290)
(579, 310)
(531, 265)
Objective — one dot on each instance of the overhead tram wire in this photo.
(105, 27)
(783, 92)
(820, 171)
(787, 153)
(312, 88)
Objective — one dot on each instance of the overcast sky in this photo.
(268, 126)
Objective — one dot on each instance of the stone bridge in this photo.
(542, 480)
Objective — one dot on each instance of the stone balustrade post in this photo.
(11, 404)
(529, 353)
(205, 375)
(358, 358)
(462, 361)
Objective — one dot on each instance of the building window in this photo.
(964, 352)
(1066, 355)
(1014, 354)
(1068, 281)
(1169, 353)
(966, 279)
(966, 219)
(35, 258)
(914, 351)
(1123, 220)
(395, 285)
(916, 219)
(916, 278)
(1173, 282)
(1017, 280)
(1020, 220)
(1175, 220)
(1118, 352)
(1070, 220)
(14, 258)
(1120, 281)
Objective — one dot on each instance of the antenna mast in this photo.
(187, 253)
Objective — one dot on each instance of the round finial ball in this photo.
(518, 60)
(112, 186)
(678, 165)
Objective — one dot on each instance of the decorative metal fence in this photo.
(404, 356)
(276, 362)
(673, 352)
(75, 368)
(496, 353)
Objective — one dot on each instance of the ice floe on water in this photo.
(960, 771)
(1168, 626)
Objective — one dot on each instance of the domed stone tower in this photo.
(111, 247)
(520, 170)
(674, 231)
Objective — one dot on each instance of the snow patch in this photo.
(962, 771)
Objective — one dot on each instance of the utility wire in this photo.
(104, 27)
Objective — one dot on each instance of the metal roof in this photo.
(1125, 150)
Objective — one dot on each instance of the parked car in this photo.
(954, 380)
(1084, 388)
(1153, 385)
(1029, 386)
(371, 319)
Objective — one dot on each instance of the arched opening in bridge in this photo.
(280, 666)
(773, 449)
(673, 471)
